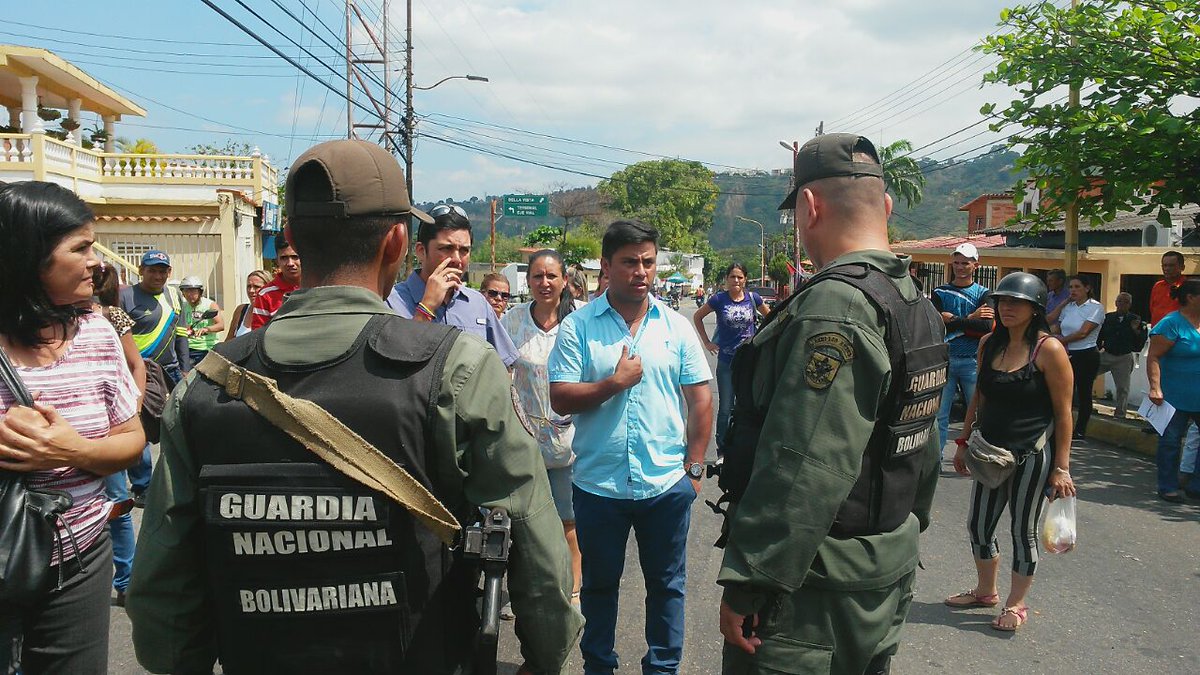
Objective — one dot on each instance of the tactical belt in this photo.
(331, 440)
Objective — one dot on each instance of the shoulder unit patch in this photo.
(827, 352)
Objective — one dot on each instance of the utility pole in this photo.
(1071, 223)
(409, 129)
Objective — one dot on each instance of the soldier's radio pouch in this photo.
(331, 440)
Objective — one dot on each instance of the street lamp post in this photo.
(762, 246)
(794, 146)
(410, 127)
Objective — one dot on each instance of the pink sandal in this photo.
(968, 599)
(1020, 612)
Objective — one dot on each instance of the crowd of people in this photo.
(324, 533)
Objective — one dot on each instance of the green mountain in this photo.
(949, 185)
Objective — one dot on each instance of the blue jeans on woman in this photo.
(1169, 445)
(724, 399)
(660, 524)
(121, 531)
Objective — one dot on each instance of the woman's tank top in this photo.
(1017, 408)
(242, 328)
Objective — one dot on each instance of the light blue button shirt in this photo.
(468, 311)
(634, 444)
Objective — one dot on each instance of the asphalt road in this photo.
(1125, 601)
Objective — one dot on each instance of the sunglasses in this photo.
(443, 209)
(493, 293)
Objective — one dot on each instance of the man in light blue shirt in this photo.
(436, 292)
(624, 365)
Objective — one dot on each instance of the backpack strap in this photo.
(332, 441)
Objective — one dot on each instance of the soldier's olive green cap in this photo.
(340, 179)
(828, 156)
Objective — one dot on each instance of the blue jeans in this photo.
(121, 531)
(724, 399)
(661, 525)
(139, 474)
(1191, 452)
(1167, 456)
(963, 373)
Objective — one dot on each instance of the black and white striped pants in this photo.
(1023, 493)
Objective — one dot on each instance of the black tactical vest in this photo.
(885, 491)
(309, 571)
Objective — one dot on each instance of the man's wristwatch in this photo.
(694, 469)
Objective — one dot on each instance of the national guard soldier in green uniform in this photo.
(844, 390)
(256, 552)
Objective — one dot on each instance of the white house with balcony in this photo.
(212, 214)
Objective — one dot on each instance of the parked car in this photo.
(768, 294)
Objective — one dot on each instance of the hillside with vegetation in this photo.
(949, 185)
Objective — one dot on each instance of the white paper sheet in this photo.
(1157, 415)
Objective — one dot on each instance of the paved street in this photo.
(1125, 601)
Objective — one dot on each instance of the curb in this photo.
(1126, 433)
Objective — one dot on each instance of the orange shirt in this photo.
(1161, 302)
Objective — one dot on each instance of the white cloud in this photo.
(715, 81)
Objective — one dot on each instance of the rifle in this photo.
(488, 542)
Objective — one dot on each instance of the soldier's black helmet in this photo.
(1024, 286)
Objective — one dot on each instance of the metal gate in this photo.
(191, 255)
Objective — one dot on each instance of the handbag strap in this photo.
(331, 440)
(12, 380)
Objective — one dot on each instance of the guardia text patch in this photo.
(827, 352)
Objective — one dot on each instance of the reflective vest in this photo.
(309, 571)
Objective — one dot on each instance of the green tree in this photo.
(231, 148)
(1133, 136)
(546, 235)
(142, 146)
(902, 175)
(777, 269)
(675, 196)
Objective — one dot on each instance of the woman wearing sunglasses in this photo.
(495, 289)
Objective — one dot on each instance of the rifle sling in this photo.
(331, 440)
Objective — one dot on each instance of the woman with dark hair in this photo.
(495, 288)
(1173, 371)
(82, 427)
(255, 282)
(533, 327)
(1023, 404)
(116, 486)
(735, 309)
(1076, 321)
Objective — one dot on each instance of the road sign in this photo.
(537, 206)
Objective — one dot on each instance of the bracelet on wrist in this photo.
(960, 442)
(1066, 471)
(426, 311)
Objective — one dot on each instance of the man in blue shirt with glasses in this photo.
(624, 365)
(437, 291)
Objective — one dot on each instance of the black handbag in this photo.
(28, 520)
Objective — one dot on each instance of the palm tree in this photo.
(901, 174)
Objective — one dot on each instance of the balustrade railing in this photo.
(49, 155)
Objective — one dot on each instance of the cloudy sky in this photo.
(577, 88)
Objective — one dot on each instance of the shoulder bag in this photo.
(28, 519)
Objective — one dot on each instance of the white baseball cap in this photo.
(967, 251)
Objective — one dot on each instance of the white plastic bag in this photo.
(1058, 530)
